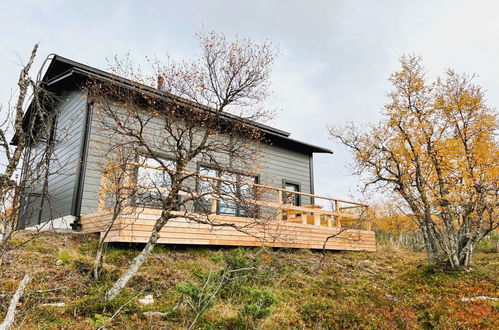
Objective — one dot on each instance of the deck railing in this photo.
(321, 211)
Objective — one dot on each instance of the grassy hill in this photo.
(390, 289)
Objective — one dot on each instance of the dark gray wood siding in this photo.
(70, 115)
(278, 164)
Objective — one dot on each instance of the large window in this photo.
(235, 191)
(153, 180)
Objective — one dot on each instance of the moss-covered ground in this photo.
(390, 289)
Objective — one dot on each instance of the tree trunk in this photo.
(430, 244)
(137, 261)
(99, 255)
(99, 260)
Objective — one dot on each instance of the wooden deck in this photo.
(328, 223)
(136, 228)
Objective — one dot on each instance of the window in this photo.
(153, 181)
(236, 189)
(229, 189)
(289, 198)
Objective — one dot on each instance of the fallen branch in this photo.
(479, 298)
(9, 318)
(3, 295)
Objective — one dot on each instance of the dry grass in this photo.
(391, 289)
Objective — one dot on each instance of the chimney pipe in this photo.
(161, 82)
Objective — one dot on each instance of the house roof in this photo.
(62, 71)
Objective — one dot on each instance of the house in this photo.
(73, 197)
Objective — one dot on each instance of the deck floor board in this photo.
(136, 228)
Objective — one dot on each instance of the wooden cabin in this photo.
(75, 194)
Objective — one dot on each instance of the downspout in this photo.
(311, 171)
(79, 184)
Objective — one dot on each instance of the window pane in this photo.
(150, 177)
(292, 199)
(206, 185)
(247, 193)
(246, 187)
(228, 190)
(226, 207)
(152, 174)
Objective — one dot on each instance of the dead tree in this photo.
(11, 312)
(203, 113)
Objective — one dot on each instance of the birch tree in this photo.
(202, 112)
(437, 151)
(26, 120)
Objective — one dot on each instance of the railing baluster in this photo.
(317, 219)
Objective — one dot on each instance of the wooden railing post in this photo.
(337, 209)
(213, 206)
(214, 201)
(369, 220)
(279, 203)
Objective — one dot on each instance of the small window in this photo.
(289, 198)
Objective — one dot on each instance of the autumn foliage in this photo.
(436, 150)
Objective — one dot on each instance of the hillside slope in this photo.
(389, 289)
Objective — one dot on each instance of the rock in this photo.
(147, 300)
(60, 304)
(156, 315)
(391, 297)
(479, 298)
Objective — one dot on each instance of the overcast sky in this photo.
(336, 55)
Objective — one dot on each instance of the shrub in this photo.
(259, 304)
(489, 244)
(65, 256)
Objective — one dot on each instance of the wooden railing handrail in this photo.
(198, 175)
(317, 213)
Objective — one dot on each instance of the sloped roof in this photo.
(62, 71)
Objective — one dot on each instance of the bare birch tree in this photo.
(199, 123)
(26, 131)
(116, 168)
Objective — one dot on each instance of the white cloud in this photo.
(336, 55)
